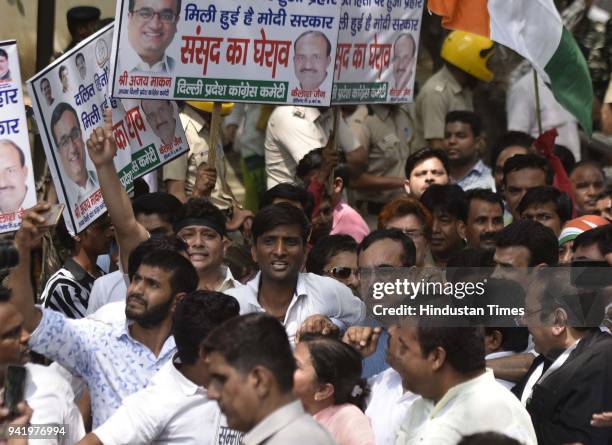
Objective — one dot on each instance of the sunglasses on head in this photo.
(342, 272)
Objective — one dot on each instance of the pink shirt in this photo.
(347, 221)
(347, 424)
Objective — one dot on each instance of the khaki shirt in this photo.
(387, 134)
(293, 132)
(184, 167)
(440, 94)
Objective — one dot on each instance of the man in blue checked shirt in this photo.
(115, 360)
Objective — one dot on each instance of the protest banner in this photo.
(377, 51)
(17, 190)
(151, 130)
(69, 99)
(272, 51)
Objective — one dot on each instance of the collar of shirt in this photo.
(275, 422)
(457, 390)
(452, 83)
(382, 111)
(229, 281)
(499, 354)
(123, 331)
(478, 169)
(135, 62)
(198, 122)
(79, 274)
(170, 377)
(253, 285)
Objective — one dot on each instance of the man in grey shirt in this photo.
(251, 369)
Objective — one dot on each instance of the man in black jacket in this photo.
(564, 324)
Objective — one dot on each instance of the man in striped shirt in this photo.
(67, 291)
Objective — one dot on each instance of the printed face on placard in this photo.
(403, 55)
(4, 66)
(71, 148)
(80, 64)
(151, 28)
(311, 59)
(45, 88)
(13, 177)
(160, 116)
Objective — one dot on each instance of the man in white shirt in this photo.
(293, 132)
(251, 369)
(459, 396)
(280, 232)
(46, 392)
(175, 407)
(151, 29)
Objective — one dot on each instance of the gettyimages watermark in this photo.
(490, 297)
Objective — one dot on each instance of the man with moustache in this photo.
(404, 50)
(13, 176)
(312, 57)
(115, 360)
(151, 28)
(485, 218)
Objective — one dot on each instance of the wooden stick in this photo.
(215, 127)
(537, 98)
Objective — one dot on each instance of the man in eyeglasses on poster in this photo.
(68, 137)
(151, 28)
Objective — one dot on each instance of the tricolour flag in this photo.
(532, 28)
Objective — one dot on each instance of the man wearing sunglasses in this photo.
(151, 29)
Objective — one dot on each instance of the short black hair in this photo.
(286, 190)
(3, 53)
(514, 339)
(409, 250)
(521, 162)
(255, 339)
(510, 139)
(566, 156)
(167, 206)
(602, 236)
(16, 147)
(202, 208)
(157, 242)
(465, 117)
(58, 111)
(195, 316)
(339, 364)
(316, 33)
(79, 55)
(464, 346)
(449, 198)
(131, 6)
(489, 438)
(422, 155)
(61, 70)
(313, 160)
(183, 276)
(540, 240)
(486, 195)
(588, 163)
(281, 214)
(547, 193)
(326, 248)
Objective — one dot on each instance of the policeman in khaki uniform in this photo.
(386, 133)
(180, 174)
(465, 56)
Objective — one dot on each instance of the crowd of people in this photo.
(184, 316)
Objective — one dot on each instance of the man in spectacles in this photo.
(151, 28)
(68, 137)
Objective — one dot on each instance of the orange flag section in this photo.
(464, 15)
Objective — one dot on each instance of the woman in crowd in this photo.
(329, 384)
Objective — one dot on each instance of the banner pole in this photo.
(537, 98)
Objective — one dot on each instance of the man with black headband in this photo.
(202, 227)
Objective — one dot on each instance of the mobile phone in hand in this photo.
(14, 388)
